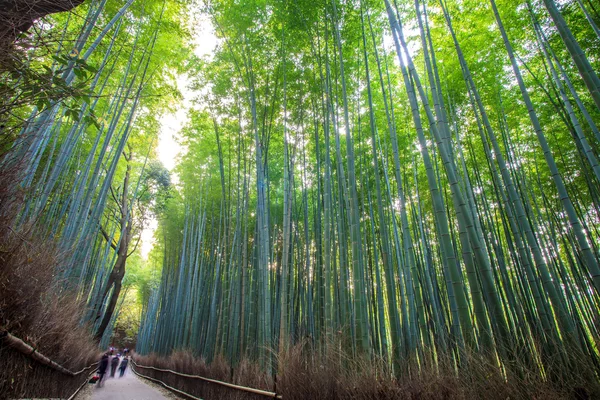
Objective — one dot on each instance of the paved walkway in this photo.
(129, 387)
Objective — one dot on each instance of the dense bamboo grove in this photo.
(78, 149)
(413, 182)
(406, 180)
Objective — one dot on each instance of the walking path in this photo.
(129, 387)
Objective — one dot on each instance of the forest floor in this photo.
(129, 387)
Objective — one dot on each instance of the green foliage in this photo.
(424, 224)
(411, 207)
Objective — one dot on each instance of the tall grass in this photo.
(245, 374)
(35, 307)
(305, 374)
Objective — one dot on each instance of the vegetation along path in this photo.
(301, 199)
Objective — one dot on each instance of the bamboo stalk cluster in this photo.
(339, 233)
(347, 237)
(77, 168)
(344, 184)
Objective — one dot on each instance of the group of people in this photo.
(115, 361)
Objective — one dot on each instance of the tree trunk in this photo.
(118, 271)
(110, 309)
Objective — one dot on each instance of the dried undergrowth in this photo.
(305, 374)
(339, 375)
(246, 374)
(35, 307)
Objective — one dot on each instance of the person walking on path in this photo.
(129, 387)
(123, 366)
(114, 363)
(102, 367)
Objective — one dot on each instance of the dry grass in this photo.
(338, 375)
(247, 374)
(304, 374)
(35, 307)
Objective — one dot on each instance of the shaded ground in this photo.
(129, 387)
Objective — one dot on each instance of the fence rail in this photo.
(226, 384)
(164, 384)
(31, 352)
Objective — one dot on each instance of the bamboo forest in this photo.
(336, 199)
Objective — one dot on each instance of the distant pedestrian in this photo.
(114, 363)
(102, 367)
(123, 366)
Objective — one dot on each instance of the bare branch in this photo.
(108, 238)
(136, 245)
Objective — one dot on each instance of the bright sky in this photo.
(171, 124)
